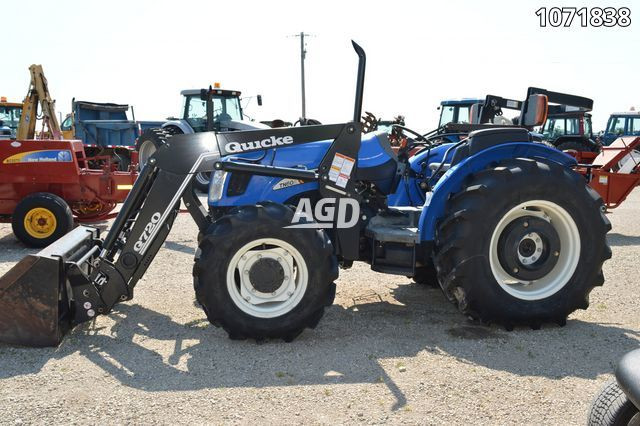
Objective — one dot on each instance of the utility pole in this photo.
(303, 54)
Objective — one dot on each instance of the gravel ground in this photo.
(386, 351)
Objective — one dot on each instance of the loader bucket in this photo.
(35, 304)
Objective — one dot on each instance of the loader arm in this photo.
(144, 222)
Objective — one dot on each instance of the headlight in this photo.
(217, 185)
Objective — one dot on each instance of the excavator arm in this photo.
(38, 94)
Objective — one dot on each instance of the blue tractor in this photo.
(504, 226)
(621, 124)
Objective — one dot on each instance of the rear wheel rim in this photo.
(566, 256)
(267, 299)
(40, 222)
(146, 150)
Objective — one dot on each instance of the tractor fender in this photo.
(180, 124)
(452, 181)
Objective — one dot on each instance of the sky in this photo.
(144, 53)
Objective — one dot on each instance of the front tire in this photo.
(612, 408)
(257, 279)
(522, 244)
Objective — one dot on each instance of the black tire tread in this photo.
(278, 215)
(457, 266)
(611, 407)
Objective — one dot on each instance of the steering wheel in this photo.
(223, 117)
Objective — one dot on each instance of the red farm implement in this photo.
(615, 171)
(46, 184)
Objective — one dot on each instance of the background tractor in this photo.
(456, 110)
(621, 124)
(569, 129)
(203, 110)
(514, 235)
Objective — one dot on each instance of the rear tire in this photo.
(40, 219)
(257, 279)
(612, 408)
(522, 244)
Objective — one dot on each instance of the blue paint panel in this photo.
(305, 156)
(371, 153)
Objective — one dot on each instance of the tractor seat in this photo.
(482, 139)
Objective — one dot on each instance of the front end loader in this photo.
(504, 226)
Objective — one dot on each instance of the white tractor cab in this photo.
(203, 110)
(217, 106)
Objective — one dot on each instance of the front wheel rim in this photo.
(267, 299)
(565, 253)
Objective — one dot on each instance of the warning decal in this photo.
(341, 168)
